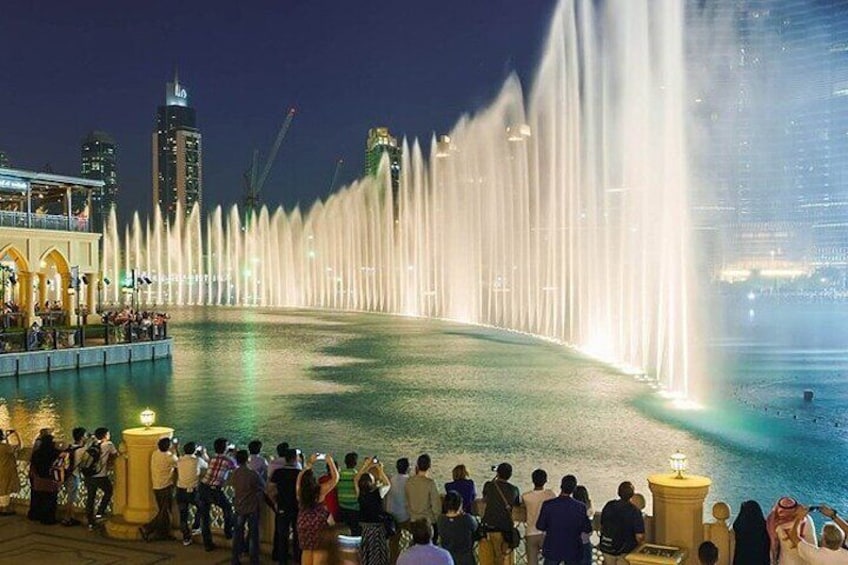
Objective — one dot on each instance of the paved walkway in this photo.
(22, 541)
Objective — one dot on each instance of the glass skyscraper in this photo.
(99, 162)
(776, 159)
(177, 154)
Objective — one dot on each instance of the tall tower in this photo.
(380, 141)
(4, 160)
(99, 162)
(177, 170)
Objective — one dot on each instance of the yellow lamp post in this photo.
(679, 506)
(140, 505)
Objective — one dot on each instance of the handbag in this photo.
(511, 538)
(41, 484)
(389, 524)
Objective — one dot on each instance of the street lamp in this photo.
(148, 417)
(678, 464)
(74, 290)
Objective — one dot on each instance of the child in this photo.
(707, 553)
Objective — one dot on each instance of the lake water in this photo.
(396, 386)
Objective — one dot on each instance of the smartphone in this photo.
(814, 508)
(320, 456)
(374, 460)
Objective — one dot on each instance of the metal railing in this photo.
(23, 495)
(92, 335)
(10, 219)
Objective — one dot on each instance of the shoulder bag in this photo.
(511, 538)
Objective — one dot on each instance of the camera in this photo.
(198, 450)
(374, 460)
(814, 508)
(320, 456)
(175, 440)
(231, 447)
(494, 468)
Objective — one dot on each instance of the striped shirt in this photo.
(346, 490)
(218, 472)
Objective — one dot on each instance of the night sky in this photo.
(415, 66)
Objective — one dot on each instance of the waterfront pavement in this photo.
(22, 541)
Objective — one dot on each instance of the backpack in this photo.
(59, 469)
(90, 460)
(612, 540)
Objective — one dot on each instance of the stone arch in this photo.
(16, 256)
(14, 285)
(54, 273)
(53, 255)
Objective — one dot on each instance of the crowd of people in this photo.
(136, 325)
(313, 500)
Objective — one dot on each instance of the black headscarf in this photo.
(752, 540)
(44, 456)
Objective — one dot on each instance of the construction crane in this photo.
(335, 176)
(252, 183)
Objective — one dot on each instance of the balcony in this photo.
(10, 219)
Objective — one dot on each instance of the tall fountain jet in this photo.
(562, 214)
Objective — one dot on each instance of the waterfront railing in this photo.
(9, 219)
(66, 337)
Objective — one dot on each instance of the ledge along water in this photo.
(51, 349)
(52, 360)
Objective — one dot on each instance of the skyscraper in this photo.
(779, 158)
(177, 170)
(4, 160)
(99, 162)
(380, 141)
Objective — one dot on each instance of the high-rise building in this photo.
(99, 162)
(778, 162)
(380, 141)
(177, 170)
(4, 160)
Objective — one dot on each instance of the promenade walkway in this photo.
(22, 541)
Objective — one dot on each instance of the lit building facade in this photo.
(4, 160)
(99, 162)
(380, 141)
(46, 256)
(776, 169)
(177, 154)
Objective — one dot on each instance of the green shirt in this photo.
(346, 490)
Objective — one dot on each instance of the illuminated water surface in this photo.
(398, 386)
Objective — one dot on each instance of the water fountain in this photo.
(562, 214)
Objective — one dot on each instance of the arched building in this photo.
(48, 253)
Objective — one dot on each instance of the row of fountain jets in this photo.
(562, 213)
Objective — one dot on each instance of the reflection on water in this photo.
(396, 387)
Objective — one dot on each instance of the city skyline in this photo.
(322, 58)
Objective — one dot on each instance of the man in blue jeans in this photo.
(248, 490)
(563, 519)
(211, 491)
(100, 479)
(189, 468)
